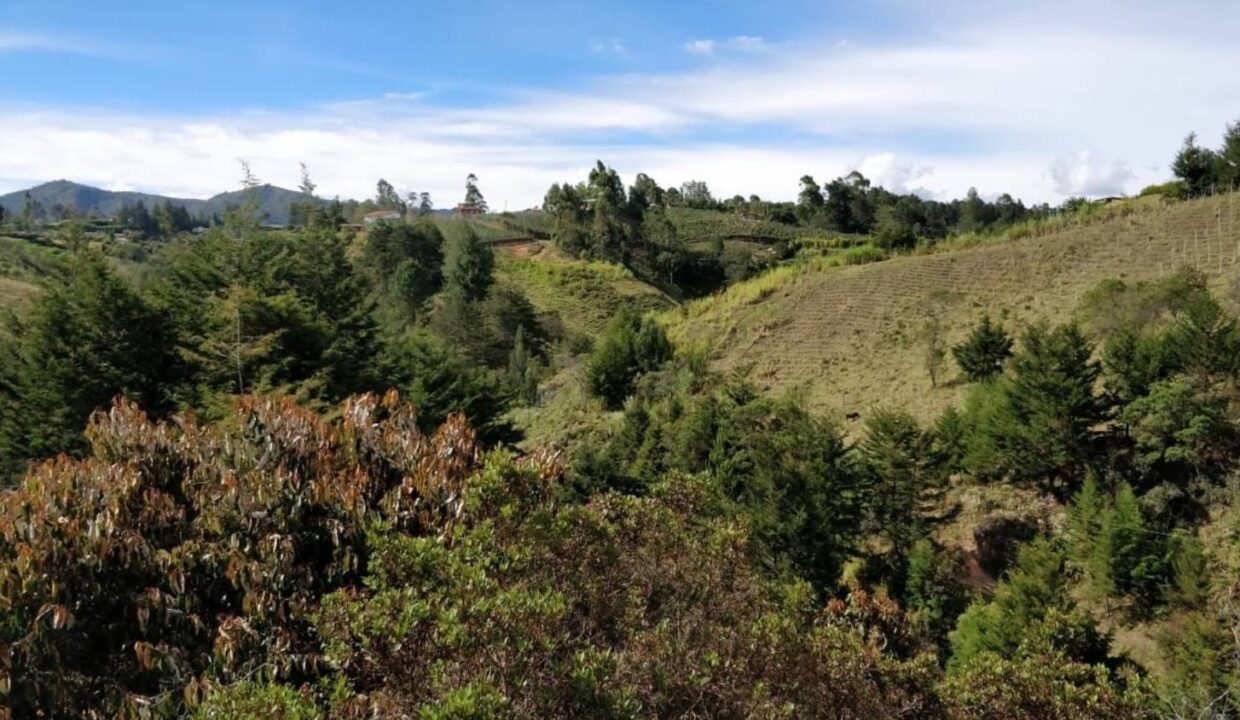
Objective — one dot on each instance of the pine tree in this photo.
(1045, 430)
(1196, 166)
(1031, 611)
(522, 369)
(1190, 586)
(85, 340)
(1084, 522)
(468, 262)
(905, 486)
(1126, 560)
(982, 355)
(934, 594)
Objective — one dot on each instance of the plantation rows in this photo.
(826, 331)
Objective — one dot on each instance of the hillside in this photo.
(274, 201)
(585, 295)
(852, 338)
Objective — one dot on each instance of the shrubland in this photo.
(302, 492)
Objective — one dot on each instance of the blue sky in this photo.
(1046, 101)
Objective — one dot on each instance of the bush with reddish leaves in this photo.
(178, 557)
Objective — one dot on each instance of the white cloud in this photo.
(991, 98)
(26, 41)
(700, 47)
(747, 43)
(607, 45)
(404, 95)
(1085, 173)
(894, 173)
(739, 43)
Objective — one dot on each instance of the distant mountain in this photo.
(273, 201)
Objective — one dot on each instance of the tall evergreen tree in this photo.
(1196, 166)
(1046, 428)
(87, 339)
(1127, 560)
(982, 355)
(906, 488)
(468, 262)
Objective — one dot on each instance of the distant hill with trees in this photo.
(55, 200)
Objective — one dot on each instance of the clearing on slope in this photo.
(853, 338)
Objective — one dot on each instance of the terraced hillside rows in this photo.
(853, 338)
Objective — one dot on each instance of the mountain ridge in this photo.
(274, 201)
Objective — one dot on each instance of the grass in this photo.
(586, 295)
(851, 335)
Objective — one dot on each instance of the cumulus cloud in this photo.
(1085, 173)
(895, 173)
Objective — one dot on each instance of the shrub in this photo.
(631, 346)
(179, 556)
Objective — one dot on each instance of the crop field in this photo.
(852, 338)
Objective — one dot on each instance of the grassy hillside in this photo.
(584, 294)
(853, 337)
(22, 265)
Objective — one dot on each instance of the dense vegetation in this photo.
(254, 523)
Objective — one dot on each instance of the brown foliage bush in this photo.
(178, 555)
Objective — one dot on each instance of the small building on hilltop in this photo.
(371, 218)
(468, 208)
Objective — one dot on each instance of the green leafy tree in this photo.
(386, 197)
(32, 212)
(810, 201)
(1229, 157)
(473, 196)
(645, 194)
(983, 354)
(630, 346)
(567, 208)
